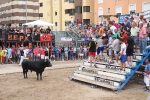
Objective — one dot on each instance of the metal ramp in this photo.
(107, 75)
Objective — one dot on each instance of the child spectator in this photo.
(123, 55)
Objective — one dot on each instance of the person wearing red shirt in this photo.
(35, 51)
(124, 35)
(42, 53)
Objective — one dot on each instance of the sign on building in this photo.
(122, 17)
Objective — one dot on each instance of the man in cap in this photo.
(116, 48)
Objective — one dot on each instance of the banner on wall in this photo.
(122, 17)
(18, 37)
(66, 39)
(147, 14)
(45, 38)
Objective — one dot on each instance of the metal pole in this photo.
(26, 11)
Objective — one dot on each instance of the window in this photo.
(55, 1)
(100, 11)
(100, 1)
(55, 23)
(55, 13)
(78, 9)
(71, 1)
(132, 7)
(118, 9)
(86, 9)
(41, 4)
(70, 11)
(66, 11)
(86, 21)
(145, 6)
(40, 14)
(108, 10)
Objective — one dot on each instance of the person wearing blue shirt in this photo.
(127, 23)
(66, 52)
(147, 75)
(56, 52)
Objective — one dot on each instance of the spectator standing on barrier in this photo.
(100, 47)
(124, 35)
(142, 40)
(48, 30)
(92, 51)
(11, 30)
(110, 51)
(130, 50)
(123, 56)
(116, 48)
(127, 24)
(147, 75)
(112, 27)
(134, 34)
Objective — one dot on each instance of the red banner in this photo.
(45, 38)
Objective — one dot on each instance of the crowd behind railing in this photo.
(28, 31)
(139, 31)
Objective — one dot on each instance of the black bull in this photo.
(37, 66)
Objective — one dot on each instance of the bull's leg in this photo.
(41, 75)
(24, 73)
(37, 75)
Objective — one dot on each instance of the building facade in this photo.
(114, 7)
(13, 12)
(62, 12)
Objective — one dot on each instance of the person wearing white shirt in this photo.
(100, 47)
(112, 27)
(123, 57)
(110, 51)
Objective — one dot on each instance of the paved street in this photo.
(14, 68)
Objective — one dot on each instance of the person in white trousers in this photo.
(21, 58)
